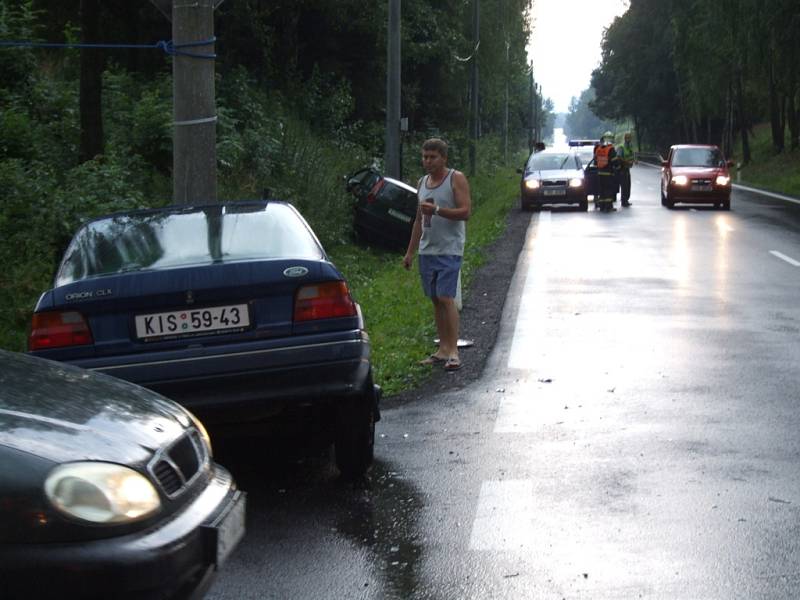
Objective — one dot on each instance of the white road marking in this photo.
(504, 517)
(788, 259)
(764, 193)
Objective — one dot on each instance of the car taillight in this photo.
(323, 301)
(58, 329)
(375, 189)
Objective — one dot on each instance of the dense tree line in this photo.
(703, 71)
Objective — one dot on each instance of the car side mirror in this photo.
(520, 171)
(730, 163)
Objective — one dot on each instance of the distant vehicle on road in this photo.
(107, 490)
(696, 174)
(233, 309)
(552, 177)
(385, 208)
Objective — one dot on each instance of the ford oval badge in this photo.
(295, 272)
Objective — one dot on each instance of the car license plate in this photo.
(192, 321)
(230, 528)
(555, 192)
(398, 215)
(701, 188)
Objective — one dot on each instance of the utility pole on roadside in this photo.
(474, 106)
(194, 141)
(531, 115)
(392, 150)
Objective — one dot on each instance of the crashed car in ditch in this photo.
(385, 208)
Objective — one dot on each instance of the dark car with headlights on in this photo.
(696, 174)
(107, 490)
(385, 208)
(553, 177)
(232, 309)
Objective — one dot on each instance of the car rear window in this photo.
(697, 157)
(181, 238)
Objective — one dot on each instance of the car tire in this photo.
(584, 205)
(354, 438)
(726, 204)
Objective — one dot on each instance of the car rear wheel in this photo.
(354, 441)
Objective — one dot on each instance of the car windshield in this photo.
(697, 157)
(180, 238)
(555, 161)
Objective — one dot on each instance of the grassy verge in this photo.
(398, 315)
(775, 172)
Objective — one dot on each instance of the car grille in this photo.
(177, 466)
(554, 182)
(701, 181)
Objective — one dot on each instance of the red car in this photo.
(696, 174)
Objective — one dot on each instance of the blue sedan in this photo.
(232, 309)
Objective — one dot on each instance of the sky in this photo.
(565, 44)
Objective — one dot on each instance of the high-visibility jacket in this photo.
(625, 153)
(603, 156)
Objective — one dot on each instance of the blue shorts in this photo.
(439, 274)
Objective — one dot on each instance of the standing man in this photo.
(625, 155)
(605, 158)
(438, 234)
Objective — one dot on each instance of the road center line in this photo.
(503, 520)
(788, 259)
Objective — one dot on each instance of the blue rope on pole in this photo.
(167, 46)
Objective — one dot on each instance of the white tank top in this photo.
(443, 236)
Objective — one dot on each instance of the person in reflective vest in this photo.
(626, 161)
(605, 158)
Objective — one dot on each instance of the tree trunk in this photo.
(775, 111)
(91, 83)
(743, 123)
(792, 118)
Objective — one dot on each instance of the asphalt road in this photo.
(635, 434)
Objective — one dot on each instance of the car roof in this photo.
(694, 146)
(178, 208)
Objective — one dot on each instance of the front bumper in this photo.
(177, 558)
(538, 198)
(686, 196)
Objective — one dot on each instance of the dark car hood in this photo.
(62, 413)
(555, 174)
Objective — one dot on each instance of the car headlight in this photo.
(103, 493)
(723, 180)
(532, 184)
(202, 430)
(680, 180)
(576, 182)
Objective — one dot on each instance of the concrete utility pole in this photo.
(474, 112)
(194, 154)
(392, 150)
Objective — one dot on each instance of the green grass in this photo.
(398, 316)
(775, 172)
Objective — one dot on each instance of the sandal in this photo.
(432, 360)
(452, 364)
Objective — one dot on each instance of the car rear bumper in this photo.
(176, 558)
(251, 380)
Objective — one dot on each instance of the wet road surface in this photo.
(636, 433)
